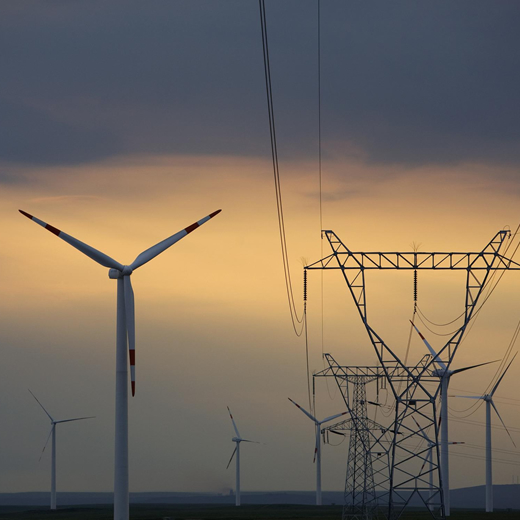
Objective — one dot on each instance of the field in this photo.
(209, 512)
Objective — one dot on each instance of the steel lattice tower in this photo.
(368, 442)
(415, 401)
(360, 493)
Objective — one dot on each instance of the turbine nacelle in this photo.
(440, 372)
(236, 439)
(114, 274)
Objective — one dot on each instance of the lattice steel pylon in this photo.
(415, 400)
(360, 498)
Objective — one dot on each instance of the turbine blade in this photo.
(421, 431)
(473, 366)
(337, 433)
(130, 326)
(502, 376)
(76, 419)
(254, 442)
(304, 411)
(333, 417)
(234, 451)
(233, 421)
(430, 348)
(96, 255)
(157, 249)
(48, 414)
(46, 442)
(503, 423)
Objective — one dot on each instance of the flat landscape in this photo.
(209, 512)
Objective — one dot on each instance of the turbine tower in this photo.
(444, 375)
(125, 338)
(317, 449)
(53, 454)
(236, 451)
(488, 398)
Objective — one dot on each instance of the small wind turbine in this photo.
(488, 398)
(53, 455)
(317, 449)
(444, 375)
(125, 337)
(236, 451)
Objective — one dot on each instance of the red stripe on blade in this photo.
(215, 213)
(26, 214)
(133, 388)
(189, 229)
(132, 357)
(52, 229)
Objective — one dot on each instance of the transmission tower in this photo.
(415, 400)
(367, 479)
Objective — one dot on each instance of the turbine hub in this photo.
(114, 274)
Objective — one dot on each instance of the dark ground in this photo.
(218, 512)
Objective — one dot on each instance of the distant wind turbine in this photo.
(488, 398)
(444, 375)
(125, 337)
(317, 449)
(53, 455)
(236, 451)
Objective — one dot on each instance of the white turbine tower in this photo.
(125, 337)
(444, 375)
(488, 398)
(317, 449)
(236, 451)
(53, 454)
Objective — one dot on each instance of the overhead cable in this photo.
(295, 319)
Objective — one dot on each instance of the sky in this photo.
(124, 122)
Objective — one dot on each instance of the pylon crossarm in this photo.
(349, 260)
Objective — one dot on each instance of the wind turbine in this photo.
(444, 375)
(237, 440)
(125, 337)
(488, 398)
(317, 449)
(53, 455)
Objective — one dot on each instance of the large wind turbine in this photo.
(236, 451)
(444, 375)
(488, 398)
(125, 337)
(53, 455)
(317, 449)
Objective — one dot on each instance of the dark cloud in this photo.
(29, 135)
(406, 82)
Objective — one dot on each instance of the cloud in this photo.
(32, 136)
(409, 84)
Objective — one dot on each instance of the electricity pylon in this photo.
(368, 462)
(360, 499)
(415, 399)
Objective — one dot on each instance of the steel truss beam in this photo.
(415, 402)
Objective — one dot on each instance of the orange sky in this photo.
(213, 326)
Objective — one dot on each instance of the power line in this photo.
(276, 171)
